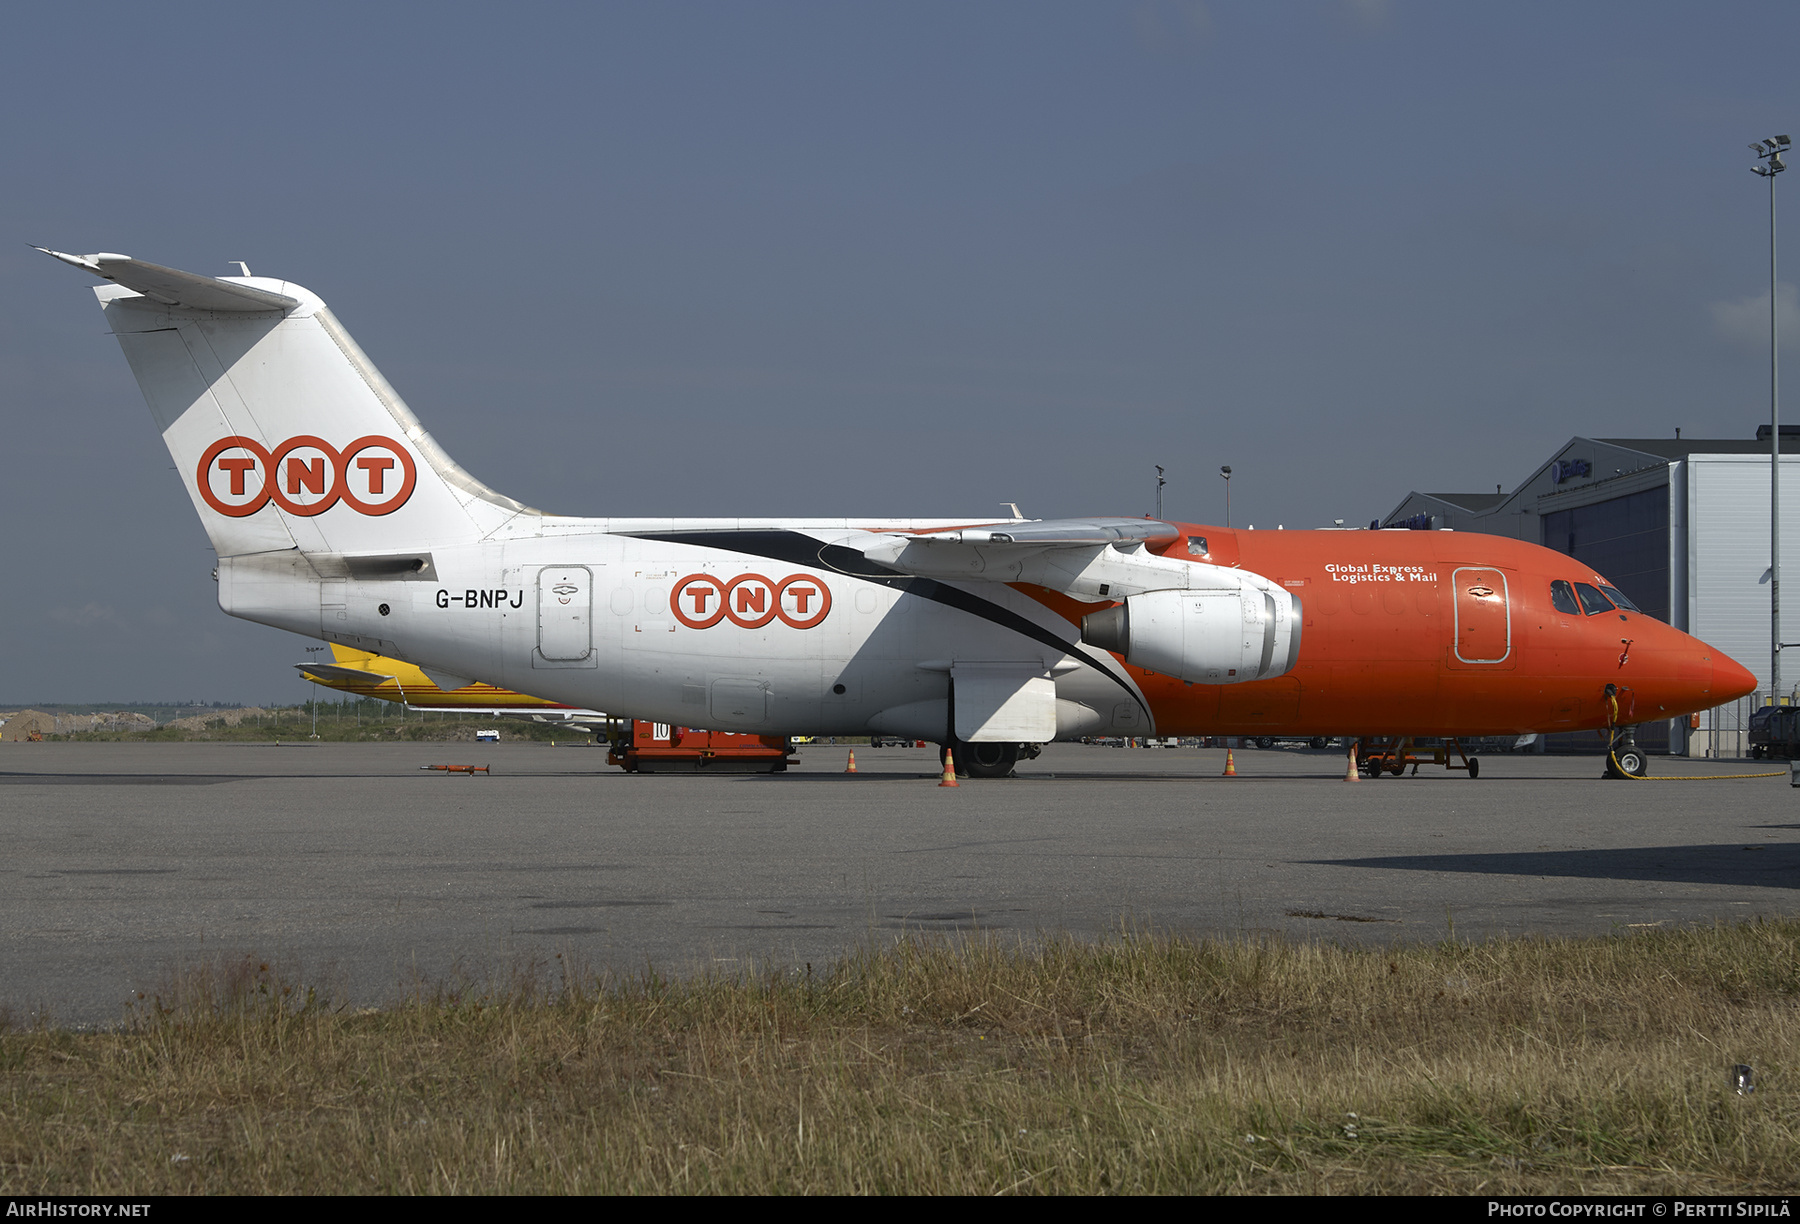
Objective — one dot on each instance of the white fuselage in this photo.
(601, 619)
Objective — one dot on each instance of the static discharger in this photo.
(471, 770)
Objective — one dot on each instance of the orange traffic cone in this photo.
(1230, 766)
(851, 767)
(1350, 771)
(949, 769)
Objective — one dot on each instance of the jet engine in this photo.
(1204, 637)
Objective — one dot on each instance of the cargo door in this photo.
(565, 630)
(1483, 616)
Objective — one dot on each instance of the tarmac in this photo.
(348, 867)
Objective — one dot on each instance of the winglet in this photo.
(173, 287)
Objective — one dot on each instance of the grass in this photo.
(1139, 1064)
(338, 722)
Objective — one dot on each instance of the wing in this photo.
(333, 676)
(1048, 533)
(1091, 560)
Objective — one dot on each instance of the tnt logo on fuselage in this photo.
(750, 601)
(306, 475)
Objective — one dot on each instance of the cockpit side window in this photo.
(1592, 601)
(1618, 597)
(1562, 598)
(1197, 546)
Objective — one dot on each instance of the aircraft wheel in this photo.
(1317, 742)
(1474, 767)
(1633, 762)
(989, 760)
(984, 760)
(1265, 742)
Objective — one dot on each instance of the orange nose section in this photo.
(1731, 680)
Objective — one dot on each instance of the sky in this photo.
(879, 259)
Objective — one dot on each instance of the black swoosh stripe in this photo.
(798, 549)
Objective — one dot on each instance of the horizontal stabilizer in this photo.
(173, 287)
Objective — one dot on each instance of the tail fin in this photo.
(284, 432)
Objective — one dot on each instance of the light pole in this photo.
(1226, 473)
(1768, 153)
(1160, 482)
(311, 700)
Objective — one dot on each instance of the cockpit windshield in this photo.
(1592, 601)
(1562, 598)
(1618, 597)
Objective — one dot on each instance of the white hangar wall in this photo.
(1722, 580)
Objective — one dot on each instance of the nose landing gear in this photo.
(1624, 758)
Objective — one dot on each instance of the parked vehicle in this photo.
(1311, 741)
(1775, 732)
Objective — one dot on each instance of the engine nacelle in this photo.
(1206, 637)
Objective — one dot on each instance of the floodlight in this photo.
(1770, 166)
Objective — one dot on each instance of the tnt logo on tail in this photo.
(306, 475)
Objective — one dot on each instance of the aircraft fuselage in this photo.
(742, 633)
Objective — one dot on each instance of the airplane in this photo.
(365, 675)
(335, 515)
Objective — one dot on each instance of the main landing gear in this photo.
(988, 760)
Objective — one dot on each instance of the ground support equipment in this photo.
(665, 748)
(1379, 754)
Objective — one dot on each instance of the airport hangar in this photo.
(1680, 525)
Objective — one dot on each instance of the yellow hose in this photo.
(1612, 712)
